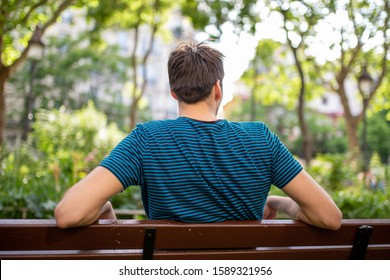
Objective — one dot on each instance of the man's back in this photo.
(198, 168)
(194, 171)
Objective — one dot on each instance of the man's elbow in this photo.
(333, 221)
(60, 217)
(64, 219)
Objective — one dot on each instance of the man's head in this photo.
(193, 70)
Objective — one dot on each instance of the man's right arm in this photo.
(308, 202)
(87, 200)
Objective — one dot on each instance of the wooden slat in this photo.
(228, 240)
(320, 254)
(47, 236)
(87, 238)
(69, 254)
(280, 254)
(331, 253)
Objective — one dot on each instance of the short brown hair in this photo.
(193, 70)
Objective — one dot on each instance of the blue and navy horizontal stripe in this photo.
(193, 171)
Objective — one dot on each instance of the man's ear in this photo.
(218, 90)
(174, 95)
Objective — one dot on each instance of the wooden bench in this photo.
(132, 239)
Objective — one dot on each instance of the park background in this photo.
(76, 76)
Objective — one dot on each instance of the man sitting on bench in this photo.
(198, 168)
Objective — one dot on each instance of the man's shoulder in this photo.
(155, 126)
(155, 123)
(250, 125)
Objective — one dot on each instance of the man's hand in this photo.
(107, 212)
(269, 213)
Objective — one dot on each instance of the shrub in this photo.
(363, 204)
(332, 171)
(61, 150)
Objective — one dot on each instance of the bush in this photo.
(363, 204)
(333, 172)
(378, 130)
(61, 150)
(338, 176)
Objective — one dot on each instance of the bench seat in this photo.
(134, 239)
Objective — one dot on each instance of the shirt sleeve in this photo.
(284, 166)
(125, 160)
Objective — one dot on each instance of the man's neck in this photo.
(200, 111)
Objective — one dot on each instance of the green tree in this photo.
(298, 21)
(132, 15)
(243, 14)
(19, 22)
(204, 13)
(360, 38)
(66, 62)
(356, 33)
(275, 81)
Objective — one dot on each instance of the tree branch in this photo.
(342, 59)
(146, 56)
(134, 61)
(351, 15)
(39, 31)
(3, 19)
(32, 8)
(355, 53)
(384, 62)
(326, 84)
(1, 53)
(385, 51)
(4, 15)
(64, 5)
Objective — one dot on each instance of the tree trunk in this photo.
(29, 102)
(134, 102)
(351, 122)
(138, 91)
(3, 80)
(352, 135)
(253, 105)
(133, 112)
(307, 146)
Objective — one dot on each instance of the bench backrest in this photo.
(132, 239)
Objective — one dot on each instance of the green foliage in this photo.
(61, 150)
(59, 73)
(378, 133)
(272, 83)
(19, 19)
(243, 14)
(328, 135)
(129, 14)
(25, 181)
(363, 204)
(332, 171)
(337, 176)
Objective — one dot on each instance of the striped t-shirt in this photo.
(194, 171)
